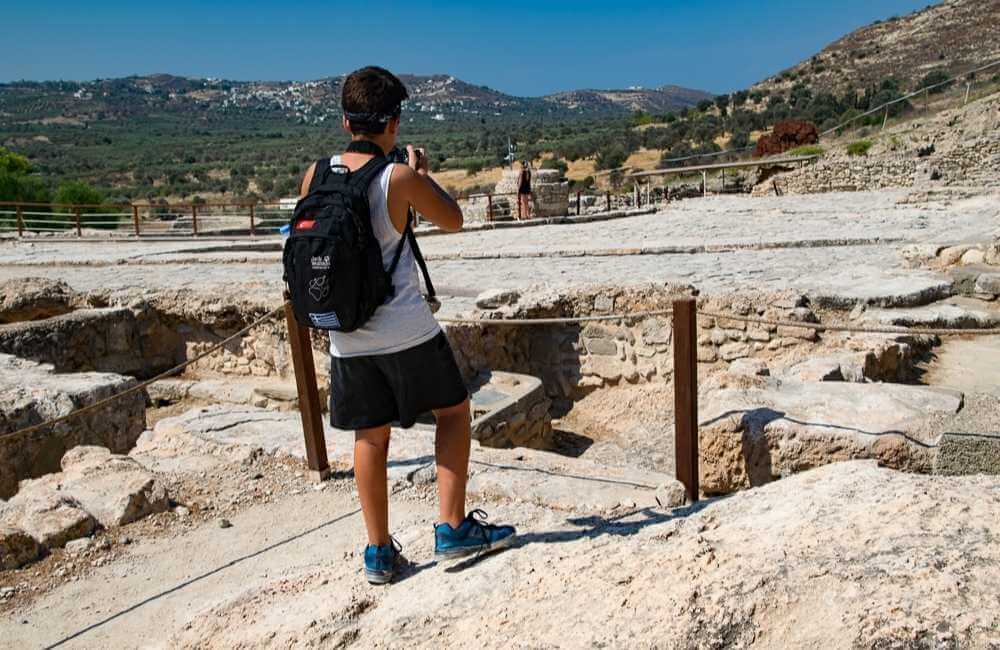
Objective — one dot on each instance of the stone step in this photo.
(959, 312)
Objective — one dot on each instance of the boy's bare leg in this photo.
(451, 450)
(371, 451)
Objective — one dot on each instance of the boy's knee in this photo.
(458, 412)
(378, 437)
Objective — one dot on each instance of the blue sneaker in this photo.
(473, 536)
(381, 561)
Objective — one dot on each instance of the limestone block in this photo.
(973, 256)
(732, 351)
(601, 346)
(992, 254)
(989, 284)
(50, 517)
(815, 369)
(605, 367)
(17, 548)
(495, 298)
(804, 333)
(707, 354)
(26, 299)
(31, 393)
(657, 331)
(953, 254)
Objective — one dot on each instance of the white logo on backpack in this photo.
(320, 262)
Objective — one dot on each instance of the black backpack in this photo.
(332, 259)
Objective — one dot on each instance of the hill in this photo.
(437, 97)
(952, 36)
(648, 100)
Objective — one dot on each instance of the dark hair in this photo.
(370, 98)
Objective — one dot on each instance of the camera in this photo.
(400, 155)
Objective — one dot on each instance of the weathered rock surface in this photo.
(17, 547)
(49, 516)
(26, 299)
(95, 488)
(751, 436)
(845, 555)
(31, 393)
(956, 312)
(786, 135)
(524, 475)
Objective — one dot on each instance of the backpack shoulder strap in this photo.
(364, 175)
(320, 173)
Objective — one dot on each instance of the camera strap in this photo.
(366, 147)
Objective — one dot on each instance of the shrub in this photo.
(934, 78)
(859, 148)
(807, 150)
(555, 163)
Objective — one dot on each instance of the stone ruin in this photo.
(549, 191)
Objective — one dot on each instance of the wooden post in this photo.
(686, 395)
(76, 214)
(135, 219)
(723, 180)
(194, 219)
(607, 198)
(489, 207)
(253, 228)
(309, 406)
(886, 118)
(704, 183)
(578, 203)
(20, 222)
(968, 87)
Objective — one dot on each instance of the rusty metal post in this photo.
(607, 199)
(135, 219)
(253, 230)
(578, 203)
(686, 395)
(489, 207)
(76, 215)
(309, 406)
(194, 219)
(20, 222)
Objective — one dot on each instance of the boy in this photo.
(399, 364)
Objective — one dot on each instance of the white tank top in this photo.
(406, 319)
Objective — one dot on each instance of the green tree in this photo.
(12, 163)
(72, 193)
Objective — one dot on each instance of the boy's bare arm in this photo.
(412, 186)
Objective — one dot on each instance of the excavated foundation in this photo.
(774, 399)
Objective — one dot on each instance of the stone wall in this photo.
(572, 360)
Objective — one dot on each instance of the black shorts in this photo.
(379, 389)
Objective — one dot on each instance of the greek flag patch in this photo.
(326, 320)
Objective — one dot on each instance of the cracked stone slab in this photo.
(750, 436)
(877, 288)
(956, 312)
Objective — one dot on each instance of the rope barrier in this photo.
(569, 320)
(141, 386)
(940, 331)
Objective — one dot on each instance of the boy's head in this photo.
(371, 99)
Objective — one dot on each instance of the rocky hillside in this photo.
(952, 36)
(650, 100)
(435, 97)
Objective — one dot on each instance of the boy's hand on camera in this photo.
(418, 160)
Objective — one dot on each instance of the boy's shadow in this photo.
(589, 527)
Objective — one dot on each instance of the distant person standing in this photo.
(524, 191)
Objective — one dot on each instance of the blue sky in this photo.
(523, 48)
